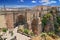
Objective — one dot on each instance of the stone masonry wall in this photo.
(9, 21)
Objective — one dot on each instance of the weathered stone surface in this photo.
(9, 21)
(3, 21)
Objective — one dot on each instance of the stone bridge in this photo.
(30, 19)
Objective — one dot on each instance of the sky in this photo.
(28, 3)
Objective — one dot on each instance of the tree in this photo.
(46, 20)
(57, 24)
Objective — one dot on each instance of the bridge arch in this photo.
(20, 20)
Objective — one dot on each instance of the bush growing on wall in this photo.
(4, 29)
(57, 24)
(45, 19)
(26, 31)
(58, 19)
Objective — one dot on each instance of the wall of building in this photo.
(2, 21)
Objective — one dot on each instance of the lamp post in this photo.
(4, 6)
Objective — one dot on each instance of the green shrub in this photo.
(45, 19)
(26, 31)
(4, 29)
(32, 34)
(58, 19)
(51, 33)
(20, 30)
(43, 34)
(56, 25)
(48, 15)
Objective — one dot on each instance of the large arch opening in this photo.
(20, 20)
